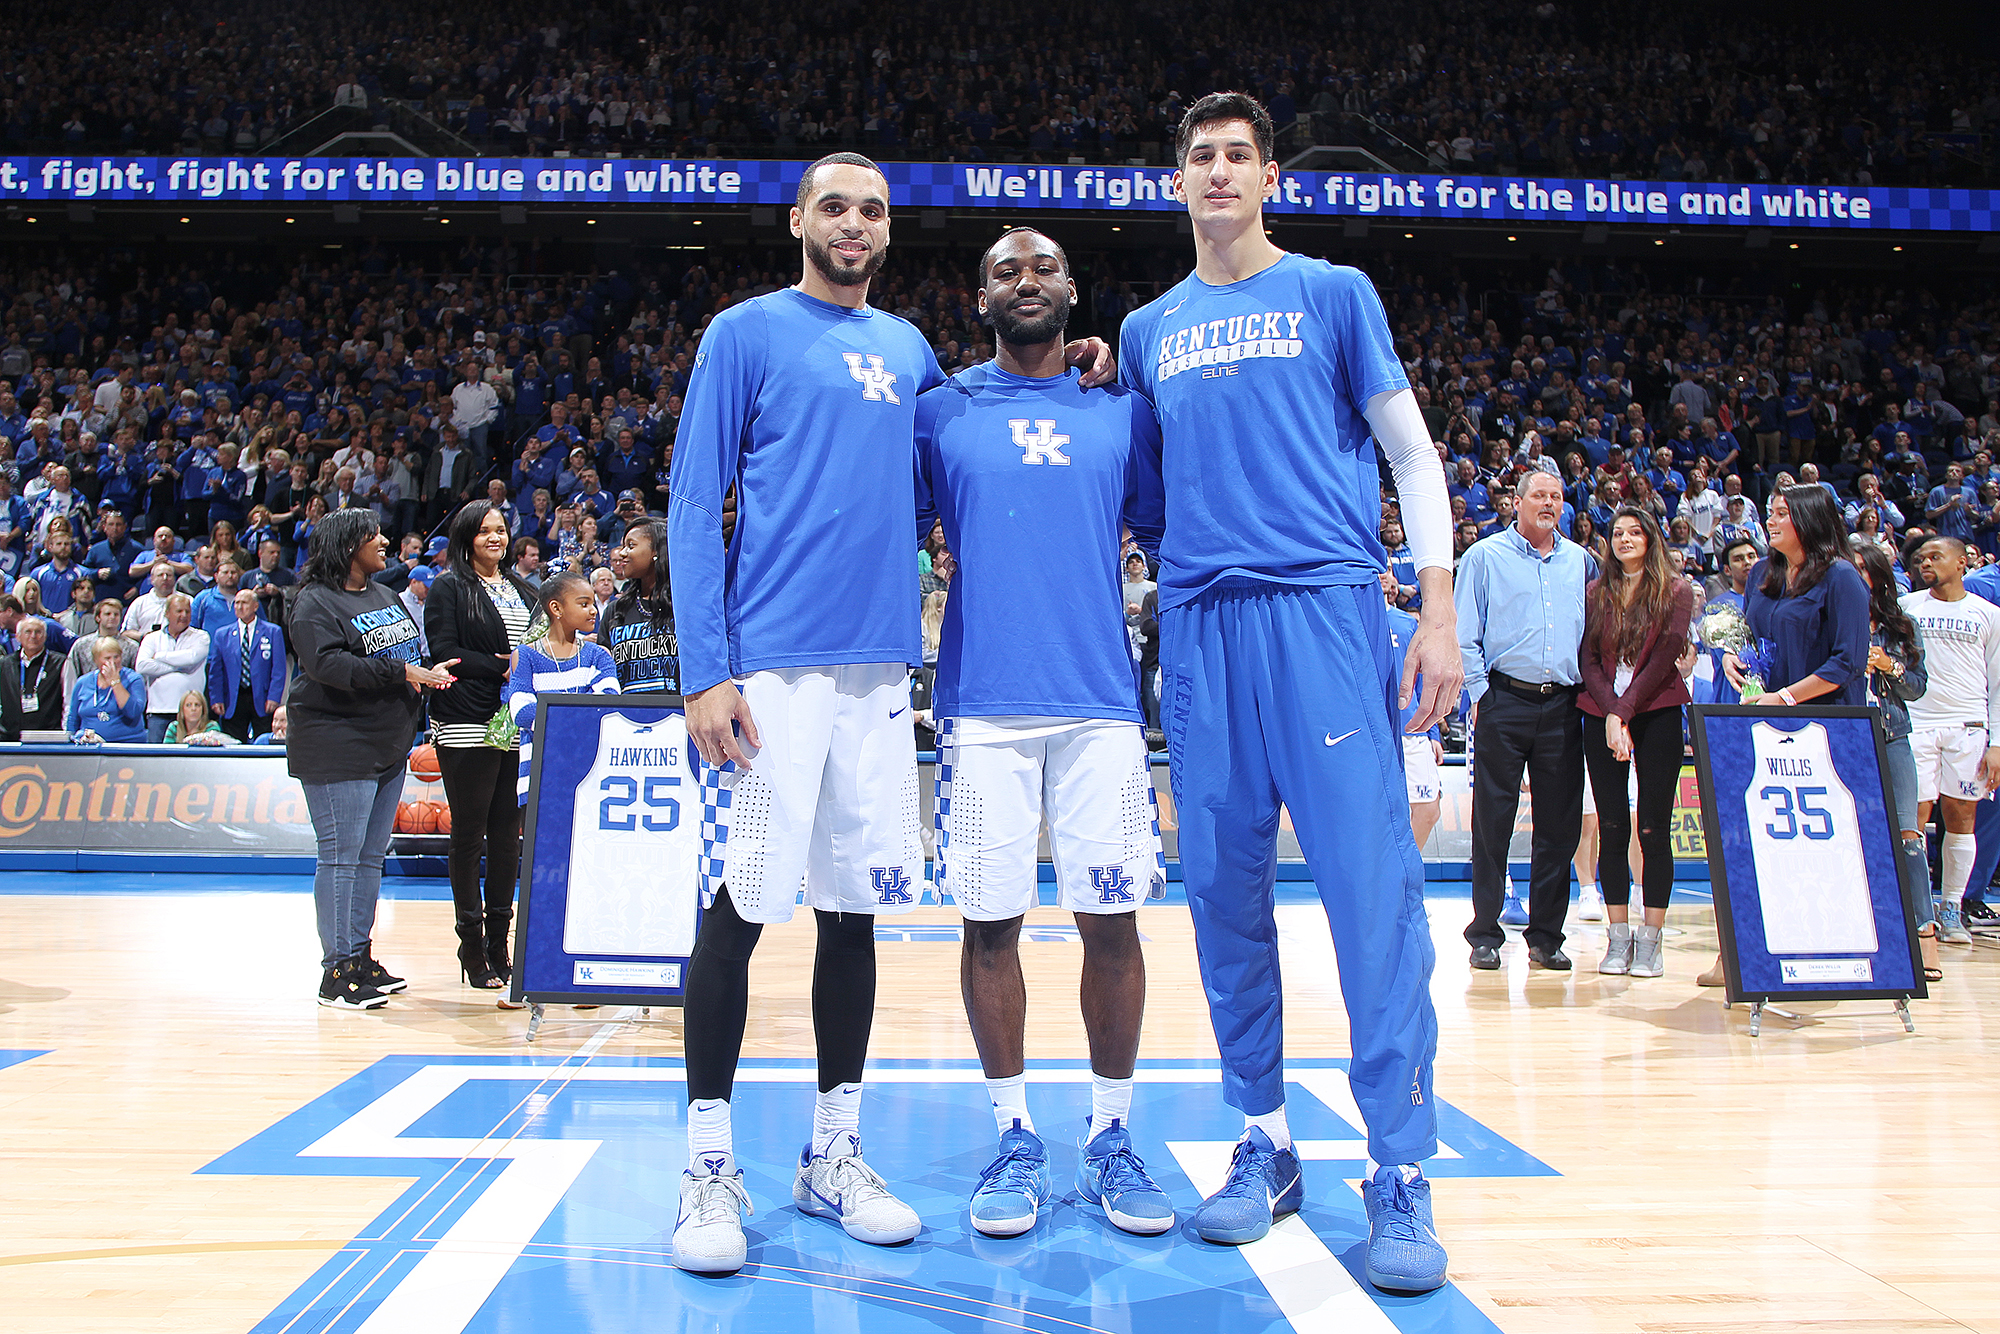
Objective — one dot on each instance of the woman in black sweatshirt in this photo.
(478, 612)
(352, 714)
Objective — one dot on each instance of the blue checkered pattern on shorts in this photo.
(714, 828)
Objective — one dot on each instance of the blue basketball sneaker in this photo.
(1014, 1186)
(1111, 1176)
(1404, 1253)
(1511, 911)
(1263, 1183)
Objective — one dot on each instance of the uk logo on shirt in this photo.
(877, 385)
(1041, 445)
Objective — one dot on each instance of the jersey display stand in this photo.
(1810, 902)
(609, 892)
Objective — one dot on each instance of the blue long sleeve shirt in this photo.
(1821, 632)
(92, 706)
(1520, 612)
(805, 409)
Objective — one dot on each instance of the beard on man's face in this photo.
(840, 273)
(1040, 327)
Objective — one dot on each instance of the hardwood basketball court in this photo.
(1628, 1158)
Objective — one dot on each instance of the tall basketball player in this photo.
(1039, 715)
(1269, 373)
(795, 642)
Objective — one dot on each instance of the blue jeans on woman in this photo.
(353, 822)
(1916, 868)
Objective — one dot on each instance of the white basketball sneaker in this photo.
(1590, 904)
(708, 1238)
(836, 1184)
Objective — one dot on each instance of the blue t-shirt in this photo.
(1260, 388)
(805, 408)
(1033, 478)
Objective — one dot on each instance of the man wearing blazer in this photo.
(33, 675)
(246, 671)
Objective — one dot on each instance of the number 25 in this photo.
(625, 792)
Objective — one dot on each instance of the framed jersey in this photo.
(609, 897)
(1810, 902)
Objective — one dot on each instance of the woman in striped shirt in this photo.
(560, 663)
(478, 612)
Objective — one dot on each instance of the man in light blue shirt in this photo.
(1520, 623)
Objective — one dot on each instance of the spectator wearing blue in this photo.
(109, 561)
(1867, 493)
(592, 498)
(559, 437)
(560, 663)
(1667, 480)
(1951, 504)
(215, 607)
(1402, 567)
(625, 466)
(1799, 429)
(277, 736)
(55, 575)
(536, 469)
(227, 487)
(121, 474)
(246, 670)
(194, 464)
(1466, 483)
(109, 704)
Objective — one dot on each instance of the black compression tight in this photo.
(718, 997)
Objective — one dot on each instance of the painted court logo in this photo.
(877, 384)
(1041, 445)
(891, 885)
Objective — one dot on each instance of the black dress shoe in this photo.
(1486, 957)
(1554, 960)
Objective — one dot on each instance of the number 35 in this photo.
(624, 793)
(1782, 807)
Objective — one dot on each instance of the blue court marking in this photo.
(543, 1192)
(16, 1055)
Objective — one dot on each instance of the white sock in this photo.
(1272, 1123)
(1956, 869)
(1010, 1102)
(708, 1130)
(1110, 1099)
(835, 1111)
(1412, 1172)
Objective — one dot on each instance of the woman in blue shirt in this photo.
(110, 704)
(1807, 598)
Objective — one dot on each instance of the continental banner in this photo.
(145, 800)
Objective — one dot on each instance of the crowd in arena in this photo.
(183, 431)
(1517, 87)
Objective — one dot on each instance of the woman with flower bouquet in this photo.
(1808, 607)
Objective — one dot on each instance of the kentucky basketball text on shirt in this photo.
(1236, 366)
(388, 632)
(802, 583)
(1962, 656)
(1033, 478)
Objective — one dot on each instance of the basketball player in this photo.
(1269, 372)
(1421, 753)
(1953, 723)
(799, 633)
(1039, 714)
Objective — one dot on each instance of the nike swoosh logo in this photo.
(1176, 306)
(1333, 740)
(899, 713)
(833, 1204)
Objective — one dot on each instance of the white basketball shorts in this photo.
(1948, 761)
(829, 801)
(1420, 770)
(1000, 779)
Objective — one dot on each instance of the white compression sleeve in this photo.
(1398, 424)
